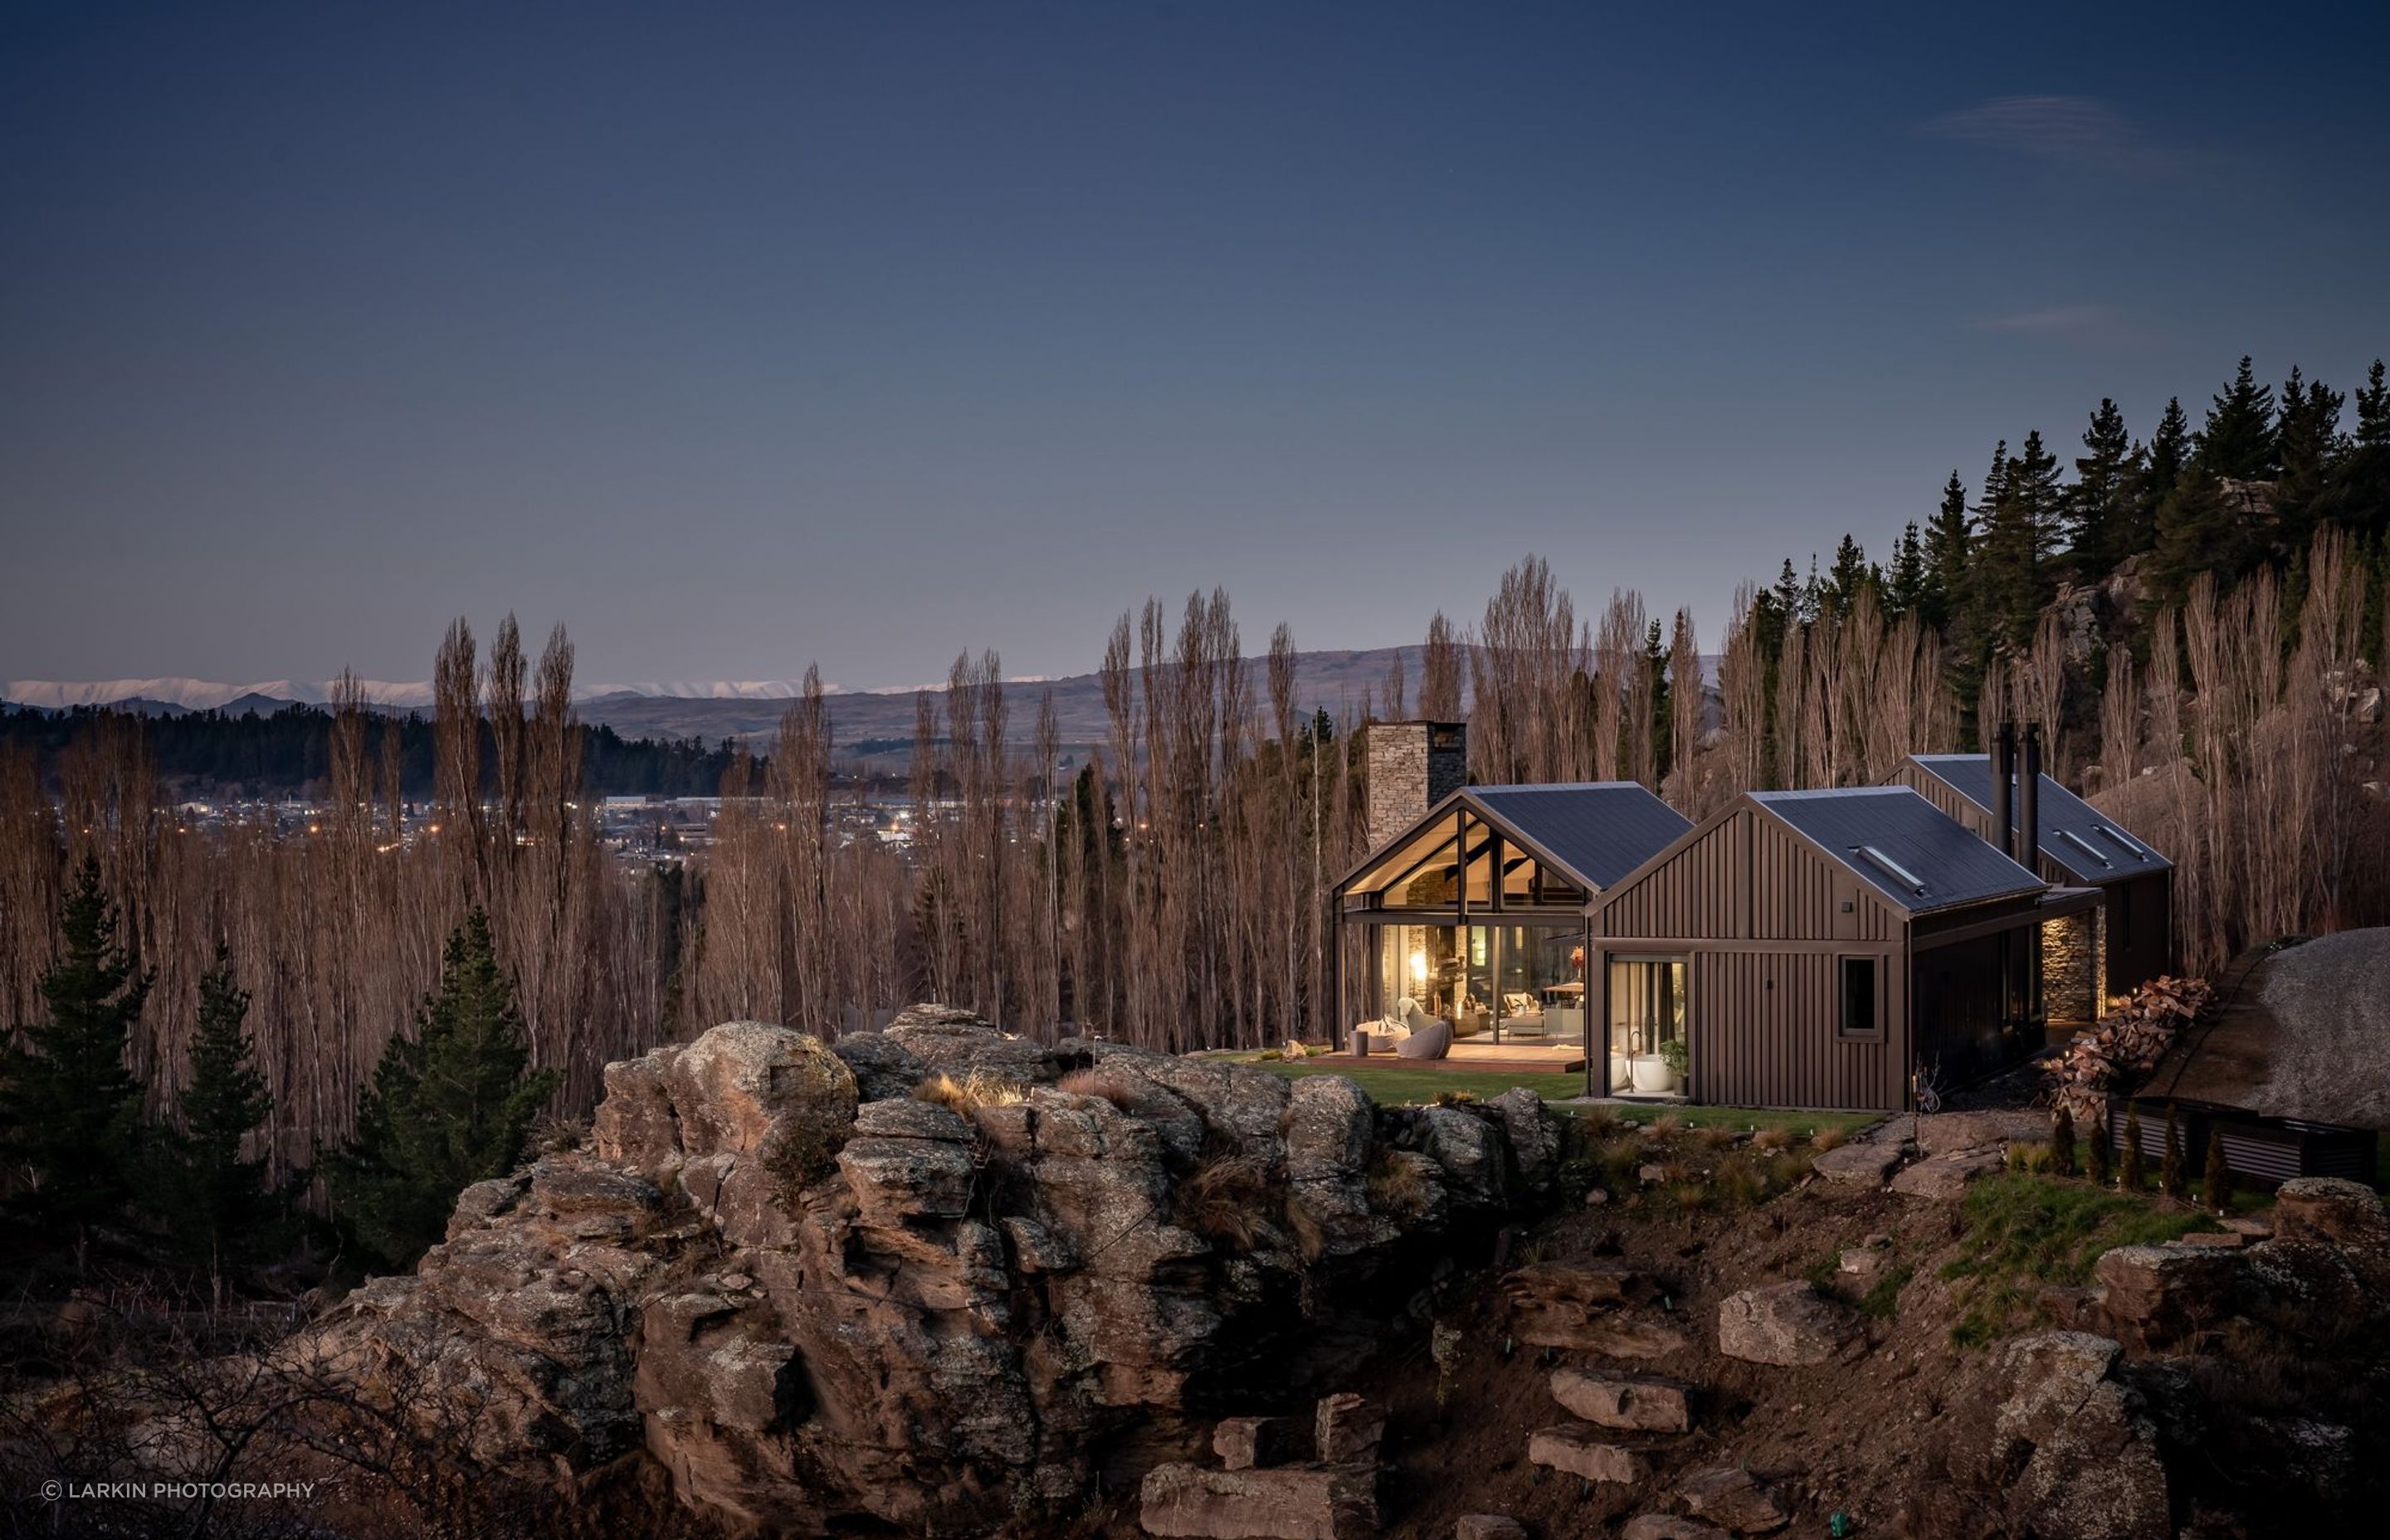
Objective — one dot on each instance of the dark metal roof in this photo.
(2086, 844)
(1906, 848)
(1597, 830)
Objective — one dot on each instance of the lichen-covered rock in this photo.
(1534, 1134)
(2327, 1208)
(1330, 1137)
(2068, 1448)
(1946, 1176)
(882, 1067)
(2156, 1296)
(1867, 1164)
(1785, 1324)
(814, 1300)
(1293, 1503)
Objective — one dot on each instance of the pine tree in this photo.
(70, 1110)
(2104, 476)
(1949, 539)
(216, 1204)
(2161, 471)
(2237, 440)
(2018, 494)
(2216, 1181)
(1848, 575)
(2373, 410)
(2097, 1158)
(2170, 1177)
(450, 1105)
(2131, 1174)
(1904, 591)
(2308, 445)
(2062, 1143)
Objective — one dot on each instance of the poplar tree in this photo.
(451, 1104)
(70, 1110)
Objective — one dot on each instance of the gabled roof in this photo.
(1904, 847)
(2084, 842)
(1591, 833)
(1598, 831)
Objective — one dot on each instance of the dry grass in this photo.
(1110, 1085)
(977, 1088)
(1772, 1139)
(1666, 1125)
(1827, 1138)
(1224, 1200)
(1397, 1187)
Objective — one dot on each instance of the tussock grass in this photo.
(974, 1090)
(2025, 1230)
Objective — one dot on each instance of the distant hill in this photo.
(1332, 681)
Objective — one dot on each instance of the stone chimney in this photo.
(1410, 767)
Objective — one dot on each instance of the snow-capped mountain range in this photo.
(203, 695)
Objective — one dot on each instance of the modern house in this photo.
(1844, 948)
(2088, 958)
(1478, 913)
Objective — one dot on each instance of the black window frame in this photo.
(1873, 1030)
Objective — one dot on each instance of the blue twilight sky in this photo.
(740, 336)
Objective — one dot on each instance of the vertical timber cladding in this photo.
(1761, 917)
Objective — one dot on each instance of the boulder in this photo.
(1347, 1428)
(1469, 1151)
(1534, 1134)
(1945, 1133)
(1582, 1451)
(957, 1043)
(1253, 1443)
(1785, 1324)
(751, 1089)
(2156, 1296)
(883, 1066)
(1945, 1176)
(1487, 1526)
(1730, 1497)
(2327, 1208)
(2068, 1447)
(1296, 1503)
(1329, 1138)
(1612, 1401)
(1867, 1164)
(1667, 1526)
(634, 1125)
(1605, 1335)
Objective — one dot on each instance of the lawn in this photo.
(1412, 1087)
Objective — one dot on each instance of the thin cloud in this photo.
(2088, 325)
(2074, 130)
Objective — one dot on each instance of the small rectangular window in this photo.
(1859, 1014)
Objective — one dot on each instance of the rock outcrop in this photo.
(910, 1280)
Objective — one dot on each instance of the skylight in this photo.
(2121, 838)
(1899, 873)
(2083, 845)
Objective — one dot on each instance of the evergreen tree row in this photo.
(452, 1103)
(2246, 488)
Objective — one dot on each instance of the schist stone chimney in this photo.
(1412, 766)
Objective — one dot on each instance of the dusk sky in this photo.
(737, 336)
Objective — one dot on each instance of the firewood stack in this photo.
(2126, 1045)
